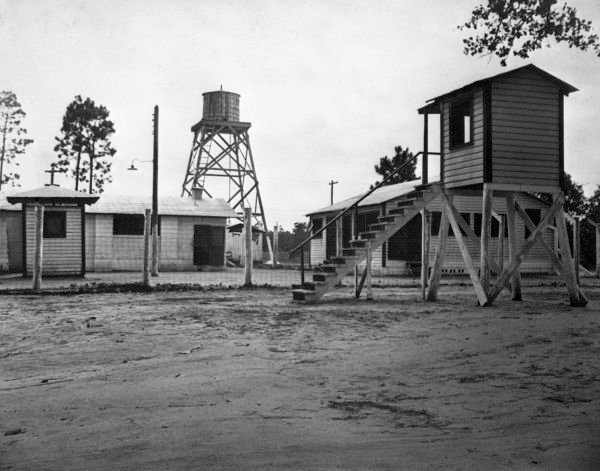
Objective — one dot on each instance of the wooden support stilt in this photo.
(39, 239)
(486, 224)
(438, 262)
(453, 217)
(554, 211)
(513, 246)
(531, 226)
(501, 223)
(575, 297)
(425, 244)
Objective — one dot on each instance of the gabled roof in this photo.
(167, 206)
(52, 194)
(379, 196)
(5, 205)
(564, 87)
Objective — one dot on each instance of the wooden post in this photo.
(425, 244)
(486, 222)
(598, 250)
(39, 239)
(568, 269)
(155, 247)
(275, 245)
(513, 246)
(453, 216)
(368, 269)
(357, 288)
(147, 225)
(438, 262)
(247, 246)
(576, 246)
(517, 259)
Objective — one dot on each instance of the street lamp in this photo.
(154, 216)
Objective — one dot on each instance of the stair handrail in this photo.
(361, 199)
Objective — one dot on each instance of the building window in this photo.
(461, 123)
(467, 218)
(436, 220)
(495, 226)
(55, 225)
(128, 224)
(317, 226)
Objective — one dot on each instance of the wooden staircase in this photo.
(332, 271)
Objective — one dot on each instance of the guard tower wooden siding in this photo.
(506, 129)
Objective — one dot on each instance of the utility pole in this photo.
(155, 196)
(331, 183)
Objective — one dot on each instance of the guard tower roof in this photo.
(433, 107)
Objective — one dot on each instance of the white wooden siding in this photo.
(61, 256)
(125, 252)
(464, 165)
(525, 130)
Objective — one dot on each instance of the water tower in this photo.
(221, 149)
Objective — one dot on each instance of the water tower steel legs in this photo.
(223, 150)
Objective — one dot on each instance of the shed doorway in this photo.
(209, 245)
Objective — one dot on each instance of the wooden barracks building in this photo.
(84, 232)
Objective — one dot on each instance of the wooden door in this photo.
(209, 245)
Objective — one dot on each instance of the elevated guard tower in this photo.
(221, 149)
(499, 137)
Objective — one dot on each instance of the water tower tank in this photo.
(221, 106)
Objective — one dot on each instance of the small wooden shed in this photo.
(63, 229)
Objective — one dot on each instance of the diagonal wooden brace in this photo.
(453, 218)
(517, 259)
(558, 265)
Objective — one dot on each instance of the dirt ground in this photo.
(244, 379)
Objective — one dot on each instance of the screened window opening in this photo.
(55, 225)
(461, 123)
(317, 226)
(128, 224)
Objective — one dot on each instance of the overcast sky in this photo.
(329, 86)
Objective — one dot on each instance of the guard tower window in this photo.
(55, 225)
(461, 123)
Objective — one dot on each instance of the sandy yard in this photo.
(244, 379)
